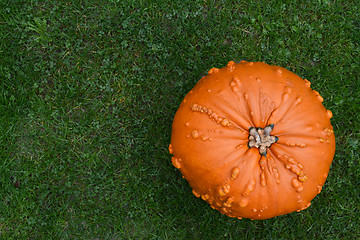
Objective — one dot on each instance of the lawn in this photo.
(89, 89)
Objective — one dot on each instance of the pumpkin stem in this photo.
(261, 138)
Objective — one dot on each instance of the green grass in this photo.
(88, 91)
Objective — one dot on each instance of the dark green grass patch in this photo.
(88, 91)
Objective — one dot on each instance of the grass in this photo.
(88, 91)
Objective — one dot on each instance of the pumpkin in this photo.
(253, 140)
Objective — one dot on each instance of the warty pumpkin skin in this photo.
(253, 140)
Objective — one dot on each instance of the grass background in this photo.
(88, 91)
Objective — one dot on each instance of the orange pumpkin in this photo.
(253, 140)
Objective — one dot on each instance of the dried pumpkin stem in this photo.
(261, 138)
